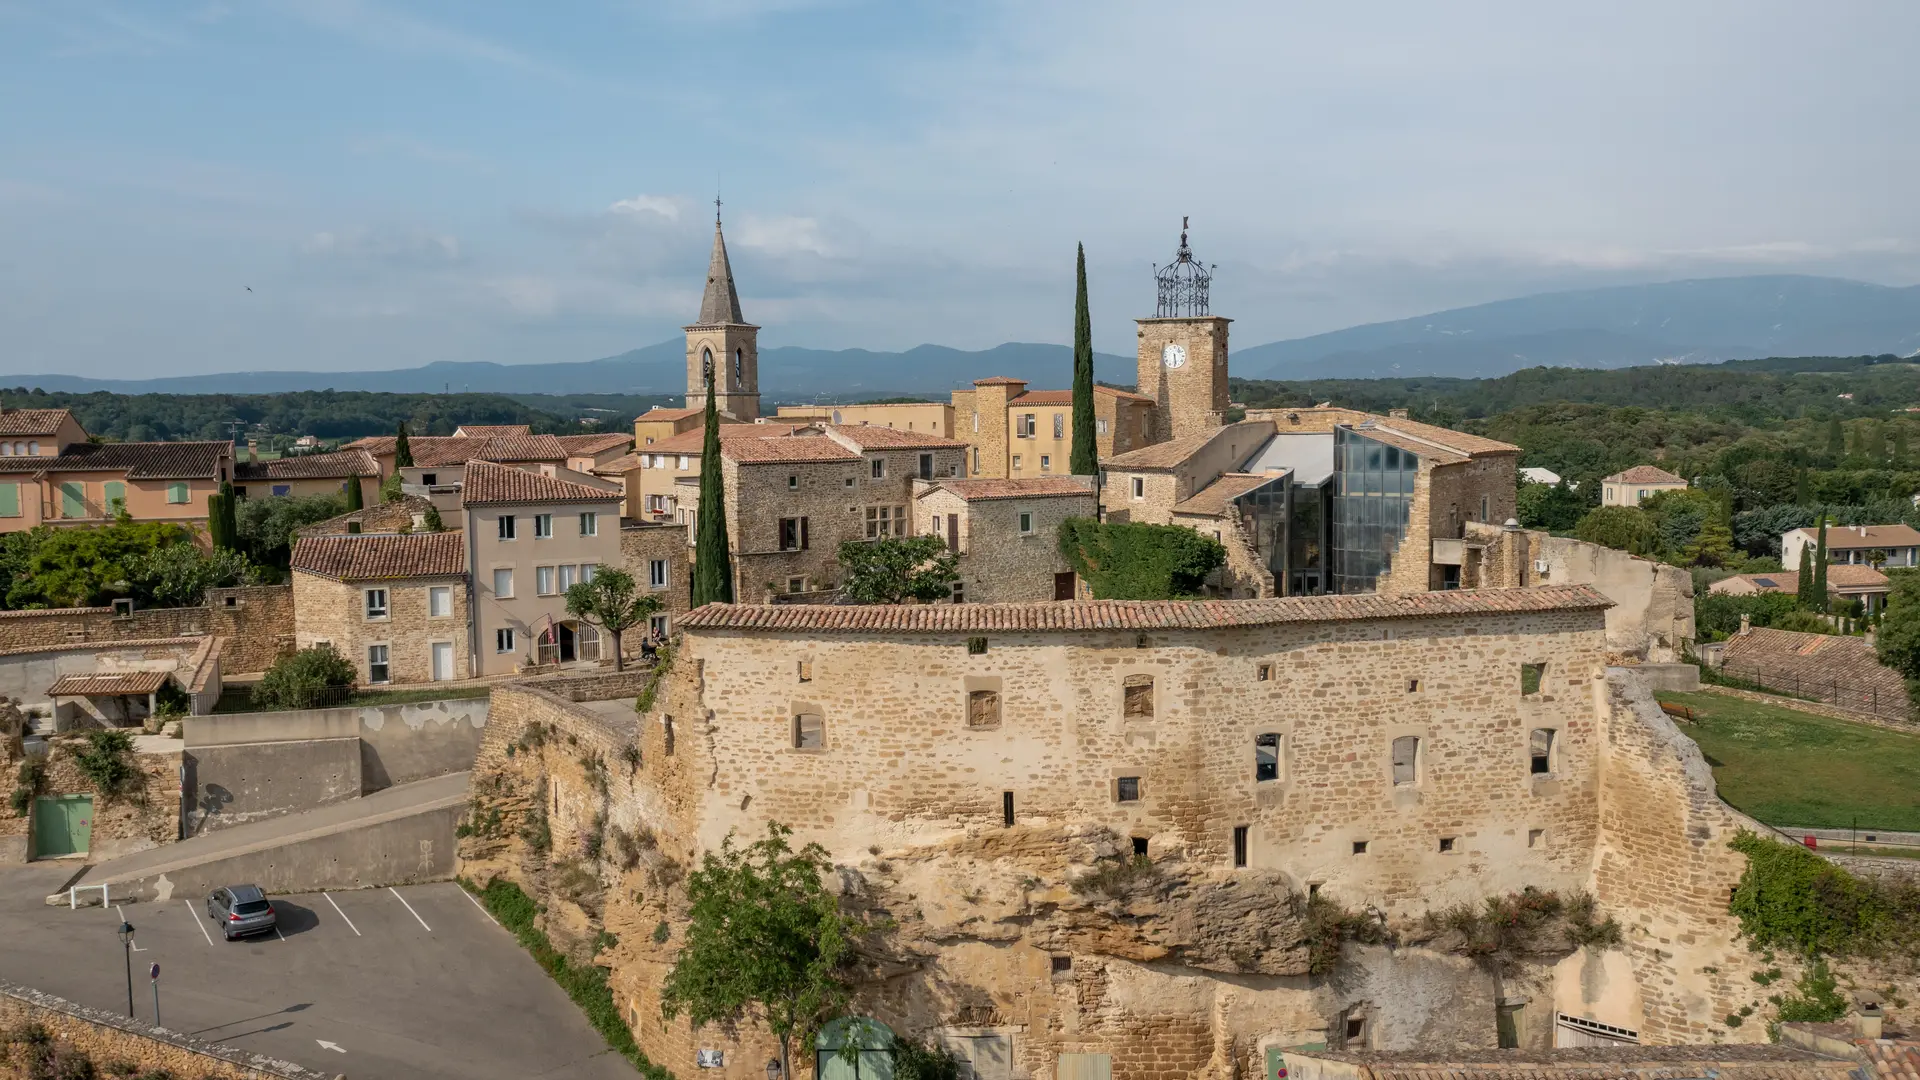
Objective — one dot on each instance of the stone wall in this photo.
(640, 544)
(999, 563)
(258, 620)
(335, 612)
(107, 1040)
(147, 816)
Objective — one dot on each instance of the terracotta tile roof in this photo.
(431, 450)
(342, 463)
(1849, 537)
(524, 448)
(32, 421)
(1857, 576)
(140, 461)
(577, 445)
(1453, 440)
(101, 684)
(1041, 487)
(619, 466)
(1773, 581)
(1844, 670)
(1065, 397)
(490, 431)
(793, 449)
(1891, 1058)
(1139, 615)
(692, 442)
(657, 413)
(1644, 474)
(1174, 452)
(379, 517)
(1213, 500)
(868, 437)
(381, 556)
(490, 484)
(999, 380)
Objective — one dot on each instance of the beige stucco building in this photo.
(395, 605)
(1015, 432)
(51, 474)
(529, 538)
(927, 417)
(1636, 485)
(307, 474)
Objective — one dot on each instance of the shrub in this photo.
(913, 1060)
(1329, 926)
(107, 760)
(1129, 561)
(305, 679)
(1816, 997)
(1789, 897)
(1117, 877)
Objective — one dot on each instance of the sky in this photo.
(406, 181)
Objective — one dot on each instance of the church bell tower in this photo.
(723, 342)
(1183, 349)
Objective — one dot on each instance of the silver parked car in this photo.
(241, 910)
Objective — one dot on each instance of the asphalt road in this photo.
(411, 982)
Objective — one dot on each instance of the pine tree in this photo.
(356, 500)
(1085, 460)
(402, 453)
(1820, 568)
(712, 562)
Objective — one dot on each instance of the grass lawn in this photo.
(1787, 767)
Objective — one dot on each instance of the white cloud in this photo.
(403, 246)
(666, 206)
(779, 236)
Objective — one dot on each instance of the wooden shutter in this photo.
(9, 500)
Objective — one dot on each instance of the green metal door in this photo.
(63, 825)
(73, 500)
(1276, 1063)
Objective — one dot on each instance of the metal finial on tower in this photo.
(1183, 284)
(716, 209)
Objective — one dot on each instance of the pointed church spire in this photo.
(721, 304)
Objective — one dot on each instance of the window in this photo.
(1140, 846)
(1239, 845)
(879, 468)
(1446, 845)
(503, 583)
(177, 492)
(505, 526)
(926, 464)
(658, 625)
(1485, 512)
(439, 601)
(976, 646)
(656, 573)
(683, 461)
(976, 421)
(796, 584)
(1413, 686)
(1126, 789)
(885, 521)
(793, 483)
(809, 732)
(1509, 1021)
(804, 671)
(568, 575)
(1099, 427)
(960, 592)
(1266, 757)
(1136, 697)
(376, 603)
(377, 664)
(429, 479)
(9, 500)
(793, 534)
(1355, 1030)
(1531, 675)
(976, 451)
(1139, 487)
(1062, 964)
(1026, 523)
(1046, 462)
(1263, 673)
(543, 579)
(542, 526)
(1359, 847)
(1023, 426)
(1540, 751)
(1059, 425)
(589, 523)
(1406, 759)
(983, 709)
(587, 569)
(114, 495)
(1006, 808)
(282, 489)
(1016, 463)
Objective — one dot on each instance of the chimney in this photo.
(1862, 529)
(1746, 624)
(1868, 1019)
(1397, 414)
(253, 451)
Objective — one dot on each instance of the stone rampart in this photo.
(257, 620)
(108, 1040)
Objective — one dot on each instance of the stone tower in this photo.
(1183, 350)
(724, 340)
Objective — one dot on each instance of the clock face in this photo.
(1174, 355)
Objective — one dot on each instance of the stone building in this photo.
(1635, 485)
(587, 453)
(1005, 532)
(1015, 432)
(395, 605)
(931, 417)
(1110, 838)
(306, 474)
(658, 556)
(721, 344)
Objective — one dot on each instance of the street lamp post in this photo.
(773, 1069)
(126, 946)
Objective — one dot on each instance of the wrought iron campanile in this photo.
(1183, 283)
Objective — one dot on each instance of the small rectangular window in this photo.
(983, 709)
(1140, 846)
(976, 646)
(503, 583)
(1356, 1032)
(1046, 462)
(1510, 1021)
(1531, 676)
(1006, 808)
(879, 468)
(1127, 789)
(809, 732)
(568, 575)
(1446, 844)
(1413, 686)
(1139, 487)
(1239, 845)
(1026, 523)
(1406, 759)
(1536, 838)
(376, 603)
(440, 601)
(1266, 757)
(377, 664)
(1016, 463)
(804, 671)
(1263, 673)
(1540, 752)
(503, 640)
(589, 523)
(796, 585)
(1059, 425)
(543, 580)
(1359, 847)
(793, 483)
(542, 526)
(1136, 697)
(1062, 964)
(430, 479)
(505, 526)
(658, 624)
(657, 573)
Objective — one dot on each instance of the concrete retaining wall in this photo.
(1681, 678)
(241, 782)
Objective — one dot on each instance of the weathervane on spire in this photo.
(716, 209)
(1183, 284)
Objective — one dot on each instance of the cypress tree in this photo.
(1804, 593)
(1085, 460)
(1836, 440)
(1802, 493)
(222, 525)
(712, 562)
(1899, 445)
(402, 453)
(356, 500)
(1820, 568)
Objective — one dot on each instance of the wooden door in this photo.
(1063, 586)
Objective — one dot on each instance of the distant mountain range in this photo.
(1700, 321)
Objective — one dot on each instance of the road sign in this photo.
(154, 972)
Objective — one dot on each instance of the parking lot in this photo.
(407, 982)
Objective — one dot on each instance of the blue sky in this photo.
(403, 181)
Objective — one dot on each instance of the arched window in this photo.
(706, 364)
(739, 365)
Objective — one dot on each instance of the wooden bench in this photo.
(1678, 712)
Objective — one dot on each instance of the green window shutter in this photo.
(115, 490)
(9, 500)
(177, 492)
(73, 499)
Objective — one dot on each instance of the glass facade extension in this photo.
(1372, 495)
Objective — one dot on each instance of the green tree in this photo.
(1554, 507)
(1804, 594)
(222, 524)
(895, 569)
(1899, 446)
(356, 499)
(86, 566)
(1627, 528)
(1898, 638)
(1836, 440)
(712, 561)
(430, 520)
(1820, 568)
(179, 575)
(1131, 561)
(1711, 545)
(300, 680)
(1085, 459)
(614, 603)
(765, 939)
(402, 452)
(392, 489)
(266, 527)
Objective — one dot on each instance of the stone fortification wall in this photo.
(106, 1040)
(257, 620)
(146, 815)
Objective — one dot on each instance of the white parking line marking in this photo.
(196, 921)
(482, 908)
(410, 911)
(342, 914)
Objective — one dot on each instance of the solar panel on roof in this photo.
(1766, 583)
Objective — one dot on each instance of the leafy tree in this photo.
(267, 526)
(614, 603)
(1084, 460)
(895, 569)
(1131, 561)
(402, 452)
(1627, 528)
(179, 575)
(430, 520)
(1716, 616)
(1836, 440)
(1711, 546)
(297, 680)
(1803, 621)
(391, 489)
(1898, 638)
(765, 939)
(356, 499)
(85, 566)
(712, 561)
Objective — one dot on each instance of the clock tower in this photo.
(723, 342)
(1183, 350)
